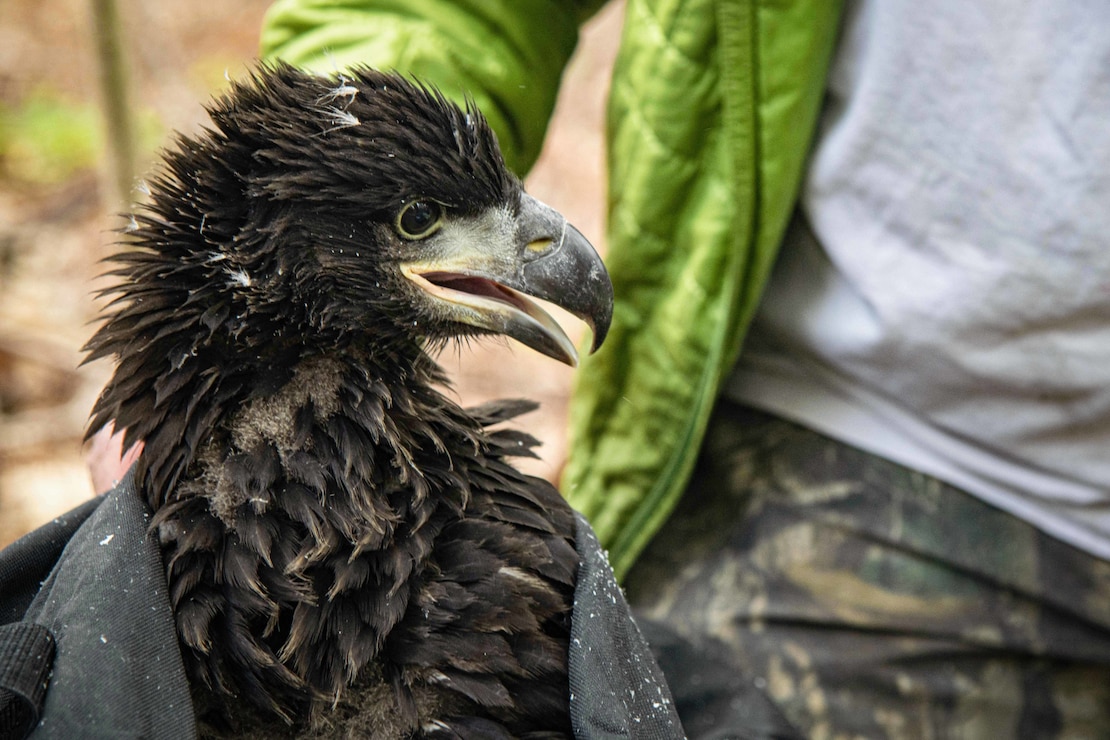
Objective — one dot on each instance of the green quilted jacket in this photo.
(713, 104)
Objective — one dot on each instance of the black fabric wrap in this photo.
(27, 562)
(117, 671)
(616, 687)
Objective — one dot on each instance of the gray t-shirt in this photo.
(943, 299)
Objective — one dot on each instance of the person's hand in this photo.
(107, 461)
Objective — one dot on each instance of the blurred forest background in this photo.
(58, 211)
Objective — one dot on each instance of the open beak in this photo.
(484, 273)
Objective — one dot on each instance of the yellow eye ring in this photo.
(419, 219)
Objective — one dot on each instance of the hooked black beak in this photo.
(484, 272)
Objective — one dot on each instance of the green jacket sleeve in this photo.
(712, 108)
(506, 55)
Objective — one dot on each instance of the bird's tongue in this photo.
(480, 287)
(503, 309)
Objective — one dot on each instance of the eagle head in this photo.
(317, 210)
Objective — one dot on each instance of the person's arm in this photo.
(506, 55)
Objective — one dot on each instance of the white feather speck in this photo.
(343, 90)
(340, 119)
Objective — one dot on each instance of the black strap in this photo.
(26, 656)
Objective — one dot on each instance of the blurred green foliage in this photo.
(45, 138)
(48, 137)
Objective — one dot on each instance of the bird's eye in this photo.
(419, 219)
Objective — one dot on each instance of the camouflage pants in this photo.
(875, 602)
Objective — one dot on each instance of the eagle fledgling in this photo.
(347, 550)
